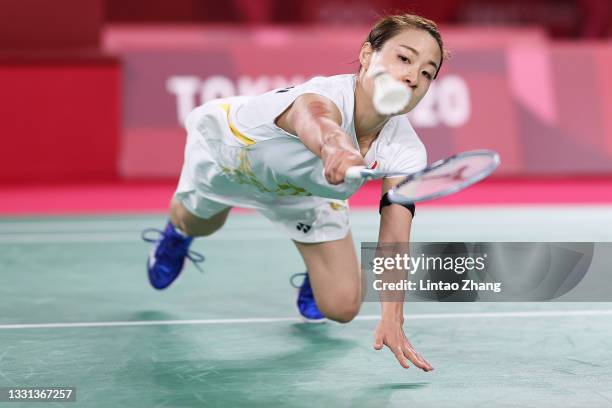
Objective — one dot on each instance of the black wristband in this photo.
(384, 201)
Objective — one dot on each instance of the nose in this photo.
(410, 77)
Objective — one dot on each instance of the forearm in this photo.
(320, 132)
(317, 123)
(392, 311)
(394, 227)
(394, 234)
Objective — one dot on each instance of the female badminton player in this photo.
(286, 152)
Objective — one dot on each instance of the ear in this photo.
(365, 55)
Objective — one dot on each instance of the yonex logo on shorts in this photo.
(303, 227)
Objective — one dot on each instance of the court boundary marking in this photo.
(198, 322)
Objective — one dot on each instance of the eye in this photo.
(427, 75)
(403, 59)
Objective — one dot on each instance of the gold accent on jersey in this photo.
(245, 175)
(238, 134)
(337, 206)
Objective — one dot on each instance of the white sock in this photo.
(181, 232)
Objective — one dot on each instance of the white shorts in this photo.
(304, 219)
(327, 222)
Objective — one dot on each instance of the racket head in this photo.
(445, 177)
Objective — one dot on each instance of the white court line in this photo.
(432, 316)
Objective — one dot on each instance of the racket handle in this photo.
(354, 173)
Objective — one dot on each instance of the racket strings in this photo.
(446, 177)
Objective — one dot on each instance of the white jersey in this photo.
(246, 160)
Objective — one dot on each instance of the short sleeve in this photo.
(265, 108)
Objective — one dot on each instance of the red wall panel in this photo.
(59, 120)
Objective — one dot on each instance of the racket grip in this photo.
(354, 173)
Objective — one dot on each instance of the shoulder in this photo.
(336, 81)
(216, 108)
(338, 88)
(305, 108)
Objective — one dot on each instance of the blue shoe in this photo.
(306, 303)
(167, 257)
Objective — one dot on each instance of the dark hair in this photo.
(389, 26)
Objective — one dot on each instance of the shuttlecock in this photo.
(390, 95)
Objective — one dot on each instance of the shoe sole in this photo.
(313, 321)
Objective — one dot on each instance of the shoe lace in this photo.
(195, 257)
(294, 276)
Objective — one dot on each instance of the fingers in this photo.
(410, 349)
(411, 354)
(332, 173)
(332, 169)
(378, 342)
(336, 164)
(397, 351)
(395, 339)
(429, 366)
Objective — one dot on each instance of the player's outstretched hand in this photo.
(338, 154)
(391, 334)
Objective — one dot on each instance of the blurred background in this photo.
(94, 91)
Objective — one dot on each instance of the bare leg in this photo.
(195, 226)
(335, 277)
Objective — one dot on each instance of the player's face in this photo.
(412, 57)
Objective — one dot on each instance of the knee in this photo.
(193, 225)
(342, 309)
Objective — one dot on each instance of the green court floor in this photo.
(76, 310)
